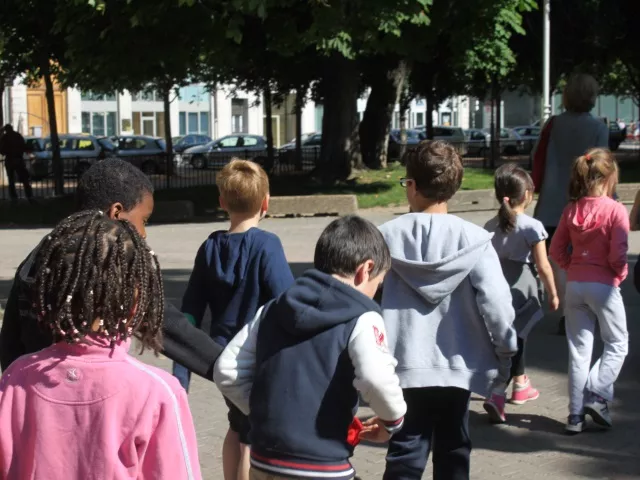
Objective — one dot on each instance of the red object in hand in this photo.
(353, 434)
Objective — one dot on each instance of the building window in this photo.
(99, 124)
(193, 122)
(204, 123)
(86, 122)
(236, 124)
(183, 123)
(194, 94)
(419, 119)
(89, 96)
(111, 124)
(239, 114)
(147, 96)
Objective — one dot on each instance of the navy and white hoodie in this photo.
(296, 370)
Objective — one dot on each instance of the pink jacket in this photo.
(89, 412)
(597, 231)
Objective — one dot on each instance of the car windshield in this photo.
(162, 143)
(176, 139)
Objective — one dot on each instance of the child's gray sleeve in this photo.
(493, 297)
(235, 369)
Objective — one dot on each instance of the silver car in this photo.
(218, 153)
(479, 142)
(78, 153)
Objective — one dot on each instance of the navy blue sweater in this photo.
(234, 274)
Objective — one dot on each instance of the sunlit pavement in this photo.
(531, 445)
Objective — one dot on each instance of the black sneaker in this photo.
(575, 424)
(562, 329)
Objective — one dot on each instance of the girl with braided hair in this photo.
(83, 407)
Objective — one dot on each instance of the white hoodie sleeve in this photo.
(236, 366)
(375, 373)
(493, 297)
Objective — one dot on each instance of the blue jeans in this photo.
(182, 374)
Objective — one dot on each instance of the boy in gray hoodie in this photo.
(448, 314)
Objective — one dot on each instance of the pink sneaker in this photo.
(523, 393)
(495, 408)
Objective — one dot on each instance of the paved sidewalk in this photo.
(531, 445)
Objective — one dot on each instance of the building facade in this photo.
(193, 110)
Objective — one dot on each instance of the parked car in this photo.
(529, 135)
(78, 153)
(218, 153)
(180, 144)
(414, 137)
(311, 143)
(479, 142)
(453, 135)
(616, 134)
(146, 153)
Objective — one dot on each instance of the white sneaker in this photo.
(598, 409)
(575, 424)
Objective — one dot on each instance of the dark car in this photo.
(529, 135)
(414, 137)
(180, 144)
(616, 134)
(146, 153)
(78, 153)
(311, 143)
(218, 153)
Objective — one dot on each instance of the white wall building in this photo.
(194, 110)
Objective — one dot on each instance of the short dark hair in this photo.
(436, 169)
(112, 181)
(347, 243)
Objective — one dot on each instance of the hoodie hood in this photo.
(317, 302)
(228, 256)
(433, 254)
(586, 215)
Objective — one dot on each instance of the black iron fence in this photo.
(191, 170)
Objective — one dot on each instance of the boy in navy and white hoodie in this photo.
(298, 367)
(447, 310)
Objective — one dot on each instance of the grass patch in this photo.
(373, 188)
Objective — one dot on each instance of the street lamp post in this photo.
(546, 60)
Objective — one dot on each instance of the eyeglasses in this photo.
(405, 181)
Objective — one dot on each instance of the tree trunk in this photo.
(376, 121)
(56, 160)
(268, 105)
(167, 133)
(2, 87)
(405, 102)
(429, 101)
(498, 122)
(493, 129)
(340, 139)
(301, 93)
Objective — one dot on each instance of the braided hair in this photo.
(95, 269)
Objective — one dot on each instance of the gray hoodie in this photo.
(446, 305)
